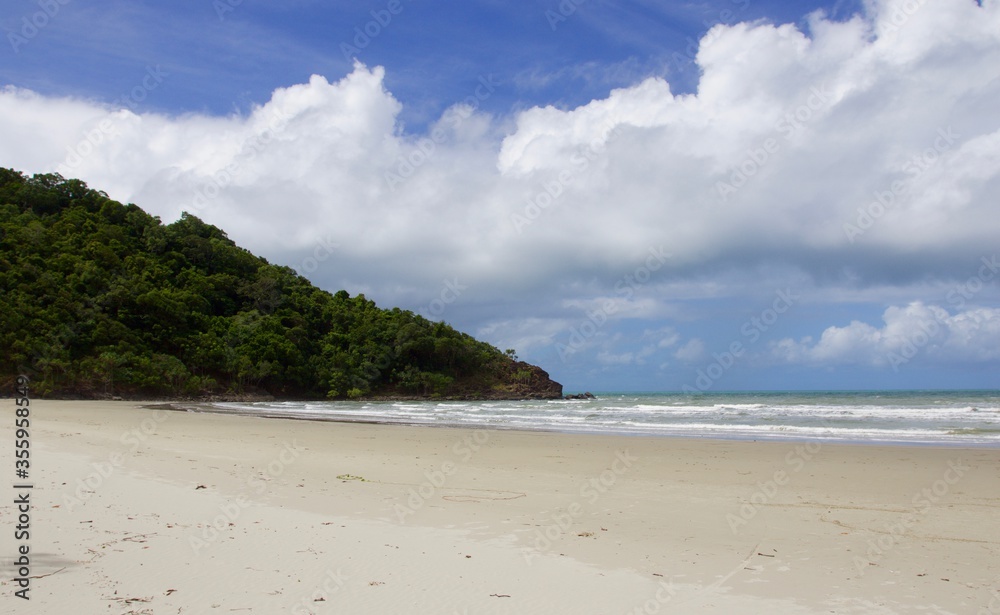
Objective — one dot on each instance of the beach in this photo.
(145, 510)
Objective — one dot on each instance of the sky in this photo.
(634, 195)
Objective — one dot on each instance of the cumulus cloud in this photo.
(664, 337)
(917, 331)
(525, 334)
(692, 352)
(613, 308)
(608, 358)
(857, 153)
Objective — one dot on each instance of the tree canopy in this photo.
(102, 299)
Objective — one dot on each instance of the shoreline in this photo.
(185, 511)
(206, 407)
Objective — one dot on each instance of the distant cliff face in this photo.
(515, 380)
(540, 386)
(100, 300)
(525, 381)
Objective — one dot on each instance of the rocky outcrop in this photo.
(540, 386)
(587, 395)
(525, 381)
(510, 381)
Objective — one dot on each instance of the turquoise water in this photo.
(959, 418)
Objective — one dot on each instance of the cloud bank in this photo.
(843, 154)
(914, 332)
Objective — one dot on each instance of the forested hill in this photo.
(100, 299)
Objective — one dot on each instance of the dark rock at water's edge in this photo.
(520, 380)
(526, 381)
(587, 395)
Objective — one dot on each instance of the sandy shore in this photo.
(143, 511)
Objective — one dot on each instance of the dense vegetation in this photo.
(101, 299)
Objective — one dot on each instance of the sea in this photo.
(935, 418)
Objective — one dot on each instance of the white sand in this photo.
(451, 521)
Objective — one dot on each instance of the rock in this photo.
(538, 385)
(523, 381)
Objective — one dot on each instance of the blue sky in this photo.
(511, 168)
(228, 55)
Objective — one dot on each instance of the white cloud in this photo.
(614, 308)
(916, 331)
(665, 337)
(609, 358)
(524, 334)
(692, 352)
(817, 125)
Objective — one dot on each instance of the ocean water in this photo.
(944, 418)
